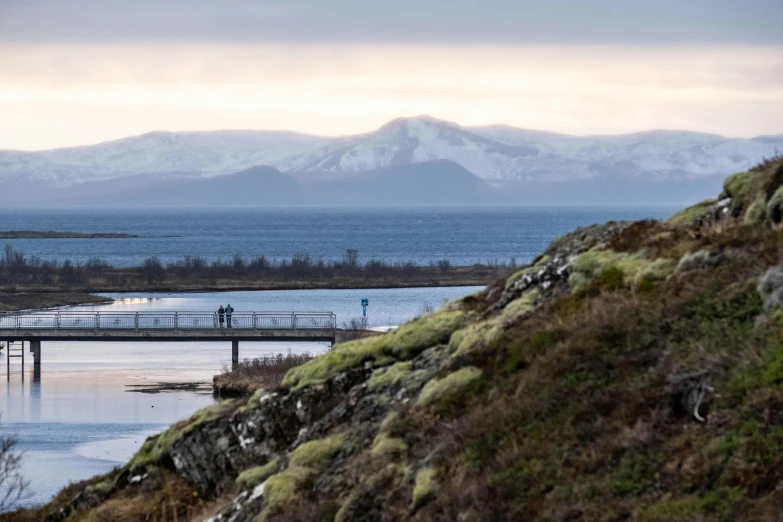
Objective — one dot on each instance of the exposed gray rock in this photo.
(556, 262)
(771, 288)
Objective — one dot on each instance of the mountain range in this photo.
(396, 164)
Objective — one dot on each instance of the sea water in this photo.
(464, 237)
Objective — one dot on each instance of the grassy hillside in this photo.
(633, 372)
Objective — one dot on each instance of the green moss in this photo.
(425, 486)
(737, 186)
(340, 357)
(757, 212)
(521, 306)
(316, 452)
(475, 338)
(388, 375)
(688, 215)
(250, 478)
(102, 488)
(429, 330)
(606, 266)
(400, 344)
(449, 387)
(158, 446)
(387, 450)
(281, 489)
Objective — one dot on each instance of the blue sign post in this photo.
(365, 304)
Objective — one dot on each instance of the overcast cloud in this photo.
(83, 71)
(397, 21)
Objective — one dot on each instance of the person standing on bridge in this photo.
(229, 311)
(221, 315)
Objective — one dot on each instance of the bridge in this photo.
(34, 327)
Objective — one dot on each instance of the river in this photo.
(86, 415)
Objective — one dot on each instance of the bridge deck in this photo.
(167, 326)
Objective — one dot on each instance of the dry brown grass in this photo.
(251, 374)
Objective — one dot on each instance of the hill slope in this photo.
(253, 187)
(424, 184)
(633, 372)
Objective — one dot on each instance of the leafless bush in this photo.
(13, 486)
(261, 372)
(355, 328)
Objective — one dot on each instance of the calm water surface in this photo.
(463, 237)
(80, 419)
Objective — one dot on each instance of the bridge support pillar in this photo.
(35, 349)
(234, 354)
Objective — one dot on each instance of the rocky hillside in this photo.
(633, 372)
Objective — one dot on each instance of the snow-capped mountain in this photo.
(200, 153)
(495, 153)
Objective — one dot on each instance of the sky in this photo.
(76, 72)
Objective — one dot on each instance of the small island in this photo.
(50, 234)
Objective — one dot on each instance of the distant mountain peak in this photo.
(497, 153)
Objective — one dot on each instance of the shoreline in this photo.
(53, 299)
(29, 301)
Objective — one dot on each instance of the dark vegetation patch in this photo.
(22, 273)
(265, 372)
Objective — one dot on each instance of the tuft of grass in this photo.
(387, 450)
(315, 453)
(737, 186)
(757, 211)
(398, 345)
(252, 477)
(441, 391)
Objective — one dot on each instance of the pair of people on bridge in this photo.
(225, 313)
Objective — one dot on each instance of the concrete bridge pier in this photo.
(234, 354)
(35, 349)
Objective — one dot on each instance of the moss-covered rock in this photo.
(399, 345)
(252, 477)
(449, 387)
(315, 453)
(532, 269)
(157, 447)
(692, 213)
(281, 489)
(388, 375)
(520, 306)
(635, 267)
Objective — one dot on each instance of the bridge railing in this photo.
(166, 320)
